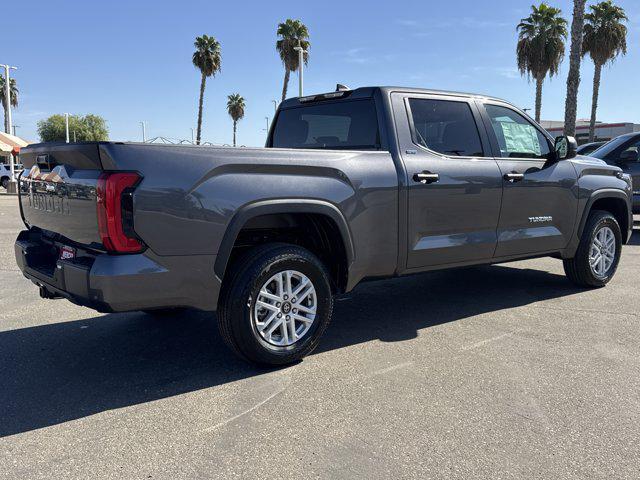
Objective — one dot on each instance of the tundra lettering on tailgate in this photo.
(49, 203)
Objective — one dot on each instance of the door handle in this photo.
(426, 177)
(513, 177)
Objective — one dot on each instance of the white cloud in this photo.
(360, 55)
(424, 29)
(408, 23)
(508, 72)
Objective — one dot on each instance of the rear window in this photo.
(446, 127)
(351, 125)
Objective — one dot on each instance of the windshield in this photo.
(350, 125)
(609, 147)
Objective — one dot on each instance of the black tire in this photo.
(239, 294)
(5, 182)
(578, 268)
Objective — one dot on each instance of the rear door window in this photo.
(351, 125)
(446, 127)
(517, 137)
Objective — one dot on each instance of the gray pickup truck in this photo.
(352, 185)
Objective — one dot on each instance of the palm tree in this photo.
(13, 94)
(605, 37)
(235, 107)
(573, 79)
(540, 47)
(207, 58)
(292, 33)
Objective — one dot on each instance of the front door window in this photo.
(517, 137)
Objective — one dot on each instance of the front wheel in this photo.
(598, 253)
(275, 305)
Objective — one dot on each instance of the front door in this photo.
(539, 201)
(454, 187)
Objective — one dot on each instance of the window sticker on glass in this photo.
(520, 138)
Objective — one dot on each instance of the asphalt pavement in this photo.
(504, 371)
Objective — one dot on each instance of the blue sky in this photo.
(131, 60)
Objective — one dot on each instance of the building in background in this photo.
(604, 131)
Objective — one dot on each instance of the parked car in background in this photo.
(624, 152)
(5, 173)
(354, 184)
(587, 148)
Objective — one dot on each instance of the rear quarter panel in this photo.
(190, 195)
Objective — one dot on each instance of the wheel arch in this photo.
(284, 206)
(613, 201)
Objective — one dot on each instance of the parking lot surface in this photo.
(505, 371)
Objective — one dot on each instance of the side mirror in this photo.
(628, 156)
(565, 147)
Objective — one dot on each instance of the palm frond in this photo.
(605, 34)
(207, 57)
(292, 33)
(541, 41)
(13, 91)
(235, 106)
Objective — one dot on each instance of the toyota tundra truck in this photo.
(352, 185)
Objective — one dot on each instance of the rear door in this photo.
(539, 202)
(454, 186)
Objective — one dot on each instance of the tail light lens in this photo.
(115, 212)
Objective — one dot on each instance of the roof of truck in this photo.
(366, 92)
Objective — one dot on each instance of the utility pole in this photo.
(66, 126)
(144, 131)
(301, 51)
(11, 188)
(275, 106)
(14, 129)
(267, 119)
(192, 140)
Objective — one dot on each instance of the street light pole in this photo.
(267, 119)
(275, 106)
(192, 140)
(7, 112)
(66, 126)
(144, 131)
(7, 96)
(301, 51)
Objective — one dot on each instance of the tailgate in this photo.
(58, 190)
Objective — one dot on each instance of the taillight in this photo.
(115, 212)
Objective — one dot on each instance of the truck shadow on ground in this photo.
(54, 373)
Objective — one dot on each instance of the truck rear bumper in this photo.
(119, 283)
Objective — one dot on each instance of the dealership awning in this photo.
(11, 143)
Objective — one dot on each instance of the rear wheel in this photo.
(276, 305)
(5, 182)
(598, 253)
